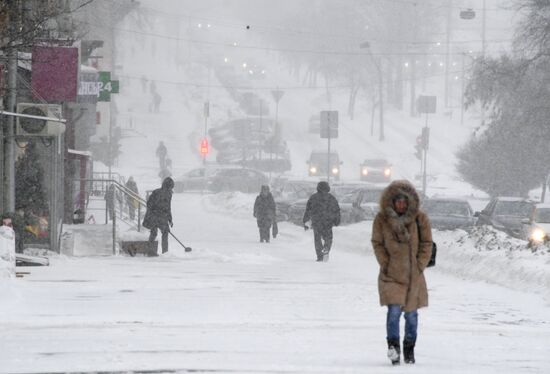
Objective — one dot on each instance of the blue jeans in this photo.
(392, 323)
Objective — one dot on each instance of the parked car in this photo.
(296, 211)
(288, 193)
(318, 162)
(375, 170)
(195, 179)
(506, 214)
(360, 205)
(537, 227)
(237, 179)
(449, 214)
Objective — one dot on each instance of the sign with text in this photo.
(107, 86)
(329, 124)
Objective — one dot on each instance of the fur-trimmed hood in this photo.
(399, 223)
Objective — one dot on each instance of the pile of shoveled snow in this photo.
(491, 255)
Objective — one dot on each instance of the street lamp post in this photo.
(377, 64)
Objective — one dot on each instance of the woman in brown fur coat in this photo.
(402, 242)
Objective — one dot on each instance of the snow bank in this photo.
(491, 255)
(7, 252)
(483, 254)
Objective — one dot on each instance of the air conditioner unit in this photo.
(39, 127)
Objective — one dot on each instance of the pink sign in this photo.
(55, 73)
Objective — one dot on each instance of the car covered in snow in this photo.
(290, 192)
(237, 179)
(360, 205)
(506, 214)
(449, 213)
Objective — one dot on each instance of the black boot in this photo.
(394, 351)
(408, 351)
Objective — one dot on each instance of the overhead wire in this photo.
(278, 49)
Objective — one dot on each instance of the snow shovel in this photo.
(187, 249)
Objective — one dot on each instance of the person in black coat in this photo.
(324, 212)
(264, 211)
(159, 212)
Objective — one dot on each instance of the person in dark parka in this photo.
(264, 211)
(324, 212)
(159, 212)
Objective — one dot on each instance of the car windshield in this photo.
(513, 208)
(322, 157)
(542, 215)
(378, 163)
(446, 208)
(302, 191)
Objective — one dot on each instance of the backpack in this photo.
(434, 247)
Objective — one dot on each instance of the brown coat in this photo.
(401, 255)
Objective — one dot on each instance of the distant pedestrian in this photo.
(402, 242)
(324, 212)
(143, 83)
(159, 213)
(264, 211)
(110, 201)
(161, 153)
(15, 221)
(132, 201)
(157, 99)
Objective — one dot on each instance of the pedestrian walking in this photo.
(402, 242)
(159, 212)
(324, 212)
(161, 153)
(264, 211)
(132, 201)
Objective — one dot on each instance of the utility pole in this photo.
(413, 66)
(9, 168)
(483, 29)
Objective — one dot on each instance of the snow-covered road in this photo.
(235, 305)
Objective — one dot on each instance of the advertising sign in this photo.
(55, 73)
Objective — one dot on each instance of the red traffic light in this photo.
(204, 147)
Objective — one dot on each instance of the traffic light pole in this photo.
(425, 155)
(328, 158)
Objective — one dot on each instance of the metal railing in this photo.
(123, 200)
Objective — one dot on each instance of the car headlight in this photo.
(365, 172)
(538, 235)
(387, 172)
(334, 170)
(313, 170)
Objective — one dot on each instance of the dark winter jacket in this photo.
(322, 208)
(264, 208)
(159, 211)
(401, 254)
